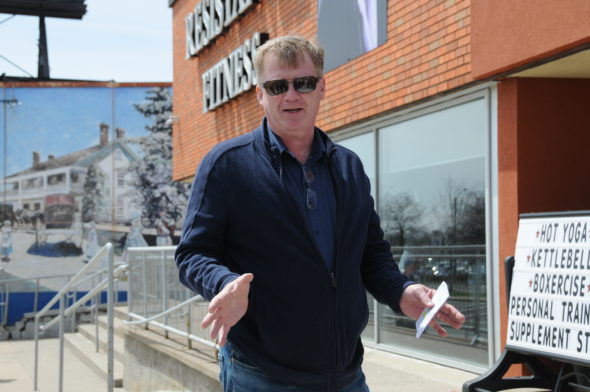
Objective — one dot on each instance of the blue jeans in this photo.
(238, 374)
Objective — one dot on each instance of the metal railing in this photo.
(463, 268)
(37, 285)
(106, 252)
(156, 293)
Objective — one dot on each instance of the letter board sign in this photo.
(549, 307)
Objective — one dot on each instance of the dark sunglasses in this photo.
(304, 84)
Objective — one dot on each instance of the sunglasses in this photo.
(304, 84)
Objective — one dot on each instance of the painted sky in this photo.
(59, 121)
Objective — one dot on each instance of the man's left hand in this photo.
(416, 297)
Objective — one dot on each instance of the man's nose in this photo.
(291, 92)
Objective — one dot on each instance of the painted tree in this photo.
(95, 199)
(155, 191)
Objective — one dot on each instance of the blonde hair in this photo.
(289, 50)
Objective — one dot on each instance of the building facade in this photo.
(465, 114)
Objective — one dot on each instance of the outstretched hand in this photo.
(227, 308)
(416, 297)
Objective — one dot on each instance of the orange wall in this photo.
(543, 145)
(508, 34)
(427, 53)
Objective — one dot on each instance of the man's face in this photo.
(291, 113)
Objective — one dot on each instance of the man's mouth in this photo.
(296, 110)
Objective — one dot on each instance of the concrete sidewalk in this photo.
(386, 372)
(17, 363)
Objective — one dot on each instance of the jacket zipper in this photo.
(332, 274)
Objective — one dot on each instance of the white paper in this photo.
(439, 298)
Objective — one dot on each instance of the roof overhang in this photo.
(576, 65)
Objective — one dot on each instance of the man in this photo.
(282, 237)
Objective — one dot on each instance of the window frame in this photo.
(487, 92)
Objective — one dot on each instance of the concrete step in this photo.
(83, 345)
(85, 351)
(89, 332)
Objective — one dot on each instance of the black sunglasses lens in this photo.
(276, 87)
(305, 84)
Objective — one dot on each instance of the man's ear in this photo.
(259, 94)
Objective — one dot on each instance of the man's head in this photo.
(290, 84)
(289, 50)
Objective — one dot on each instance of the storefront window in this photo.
(364, 146)
(432, 207)
(428, 173)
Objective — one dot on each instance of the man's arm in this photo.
(200, 254)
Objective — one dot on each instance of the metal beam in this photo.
(69, 9)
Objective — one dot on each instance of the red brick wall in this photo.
(427, 52)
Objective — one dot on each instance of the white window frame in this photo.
(488, 92)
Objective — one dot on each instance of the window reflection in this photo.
(432, 205)
(430, 175)
(364, 146)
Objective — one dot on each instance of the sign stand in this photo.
(493, 380)
(547, 317)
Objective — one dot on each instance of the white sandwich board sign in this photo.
(549, 307)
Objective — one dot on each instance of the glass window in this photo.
(364, 146)
(33, 183)
(56, 179)
(366, 29)
(120, 178)
(11, 187)
(431, 183)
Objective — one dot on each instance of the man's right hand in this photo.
(227, 308)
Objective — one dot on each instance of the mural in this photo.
(83, 166)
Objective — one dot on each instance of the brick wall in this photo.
(427, 53)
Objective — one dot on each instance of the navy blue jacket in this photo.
(304, 322)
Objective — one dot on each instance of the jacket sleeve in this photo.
(381, 274)
(200, 254)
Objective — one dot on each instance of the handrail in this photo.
(69, 285)
(143, 320)
(190, 336)
(164, 295)
(105, 251)
(169, 310)
(97, 289)
(9, 283)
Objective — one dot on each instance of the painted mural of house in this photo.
(29, 191)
